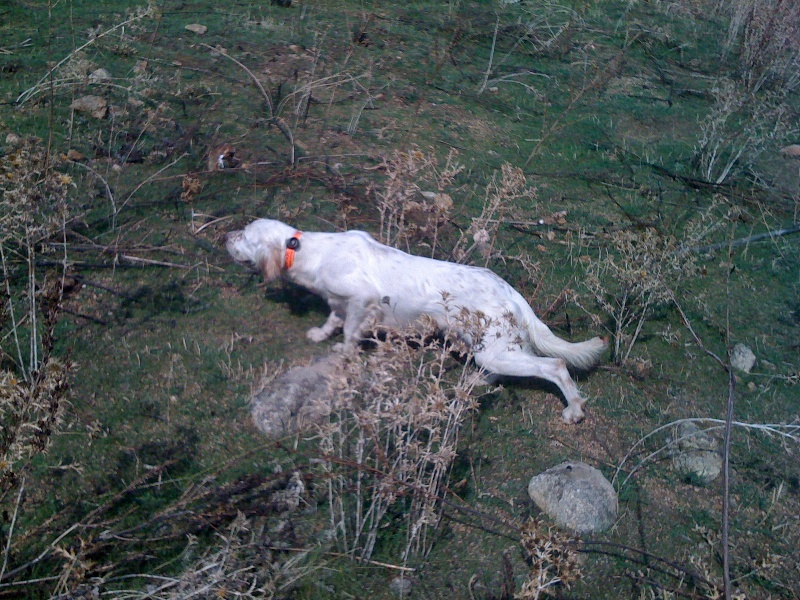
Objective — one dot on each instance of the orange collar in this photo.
(292, 244)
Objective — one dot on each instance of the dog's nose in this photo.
(232, 236)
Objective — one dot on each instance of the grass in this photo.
(155, 470)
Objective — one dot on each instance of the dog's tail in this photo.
(581, 355)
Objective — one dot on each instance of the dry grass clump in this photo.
(33, 206)
(33, 384)
(242, 565)
(501, 195)
(392, 439)
(643, 269)
(738, 129)
(551, 557)
(768, 36)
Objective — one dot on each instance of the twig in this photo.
(377, 563)
(769, 428)
(740, 242)
(726, 450)
(246, 70)
(109, 193)
(45, 552)
(149, 179)
(159, 263)
(491, 57)
(197, 230)
(11, 530)
(586, 546)
(10, 49)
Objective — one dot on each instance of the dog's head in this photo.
(262, 243)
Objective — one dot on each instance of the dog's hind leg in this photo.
(518, 363)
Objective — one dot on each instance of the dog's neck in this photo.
(292, 245)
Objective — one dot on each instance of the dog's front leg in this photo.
(358, 313)
(331, 326)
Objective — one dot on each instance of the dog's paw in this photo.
(482, 378)
(317, 334)
(572, 414)
(345, 348)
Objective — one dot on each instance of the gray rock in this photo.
(99, 75)
(297, 398)
(695, 454)
(400, 586)
(576, 496)
(196, 28)
(742, 358)
(93, 105)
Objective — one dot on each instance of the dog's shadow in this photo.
(298, 300)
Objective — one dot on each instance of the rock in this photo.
(742, 358)
(400, 586)
(576, 496)
(12, 139)
(93, 105)
(695, 454)
(99, 75)
(791, 150)
(196, 28)
(75, 156)
(297, 398)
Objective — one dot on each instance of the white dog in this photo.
(362, 279)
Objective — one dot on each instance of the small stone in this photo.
(196, 28)
(695, 454)
(74, 155)
(99, 75)
(400, 586)
(791, 150)
(576, 496)
(742, 358)
(93, 105)
(443, 202)
(12, 139)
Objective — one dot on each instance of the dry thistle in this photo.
(552, 559)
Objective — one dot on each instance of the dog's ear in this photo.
(269, 263)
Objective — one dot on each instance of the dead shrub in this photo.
(768, 35)
(33, 383)
(409, 213)
(737, 130)
(393, 435)
(413, 216)
(632, 277)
